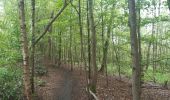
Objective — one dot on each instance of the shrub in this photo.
(10, 84)
(40, 82)
(40, 70)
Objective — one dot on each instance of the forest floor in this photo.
(62, 84)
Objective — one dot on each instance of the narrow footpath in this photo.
(60, 84)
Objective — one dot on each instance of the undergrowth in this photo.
(10, 83)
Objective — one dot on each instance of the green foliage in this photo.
(40, 70)
(125, 70)
(160, 77)
(9, 34)
(10, 84)
(9, 49)
(40, 82)
(160, 18)
(67, 23)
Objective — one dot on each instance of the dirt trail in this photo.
(59, 85)
(66, 88)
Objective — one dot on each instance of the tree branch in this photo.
(50, 23)
(74, 8)
(160, 59)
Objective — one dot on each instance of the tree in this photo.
(93, 48)
(138, 8)
(51, 22)
(25, 53)
(68, 39)
(168, 2)
(88, 40)
(81, 31)
(136, 72)
(33, 46)
(106, 44)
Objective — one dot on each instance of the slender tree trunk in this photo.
(81, 31)
(25, 53)
(50, 40)
(64, 52)
(117, 62)
(106, 45)
(136, 72)
(76, 56)
(60, 50)
(33, 46)
(116, 50)
(154, 44)
(102, 18)
(139, 40)
(71, 60)
(148, 56)
(93, 38)
(105, 52)
(89, 52)
(83, 60)
(49, 49)
(89, 47)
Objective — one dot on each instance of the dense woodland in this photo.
(114, 49)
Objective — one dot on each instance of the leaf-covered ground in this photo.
(62, 84)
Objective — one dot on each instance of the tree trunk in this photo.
(60, 50)
(81, 31)
(106, 45)
(139, 40)
(154, 44)
(89, 47)
(33, 46)
(50, 40)
(102, 19)
(71, 58)
(93, 40)
(27, 84)
(136, 72)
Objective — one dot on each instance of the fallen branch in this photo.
(91, 93)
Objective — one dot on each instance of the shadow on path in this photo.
(67, 86)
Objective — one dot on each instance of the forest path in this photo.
(66, 87)
(59, 84)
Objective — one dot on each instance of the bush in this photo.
(40, 82)
(40, 70)
(10, 84)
